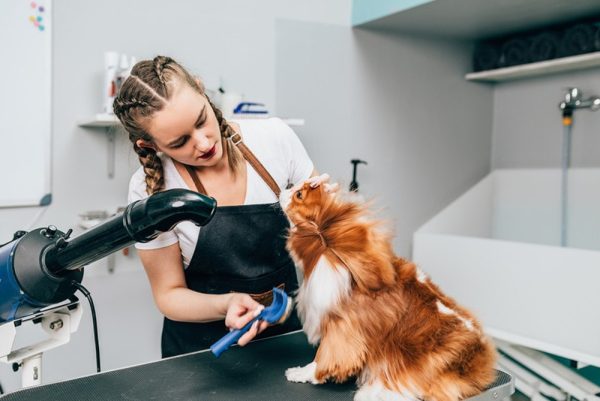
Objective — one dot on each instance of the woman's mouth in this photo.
(211, 152)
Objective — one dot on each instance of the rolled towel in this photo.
(514, 52)
(543, 46)
(486, 57)
(578, 39)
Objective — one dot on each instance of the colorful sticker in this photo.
(37, 20)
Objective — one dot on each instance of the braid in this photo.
(121, 106)
(160, 63)
(233, 154)
(153, 168)
(136, 101)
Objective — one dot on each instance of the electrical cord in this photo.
(87, 294)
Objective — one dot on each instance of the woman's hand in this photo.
(323, 179)
(241, 308)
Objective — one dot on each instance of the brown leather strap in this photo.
(192, 172)
(236, 140)
(266, 298)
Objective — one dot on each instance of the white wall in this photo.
(527, 122)
(233, 40)
(398, 101)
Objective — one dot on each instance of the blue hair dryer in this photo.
(38, 268)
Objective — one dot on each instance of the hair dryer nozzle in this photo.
(141, 221)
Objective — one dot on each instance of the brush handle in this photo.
(231, 338)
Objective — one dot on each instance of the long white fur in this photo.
(443, 309)
(324, 288)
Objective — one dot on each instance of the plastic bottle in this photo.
(111, 63)
(123, 71)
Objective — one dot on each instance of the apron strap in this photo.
(199, 187)
(256, 164)
(250, 158)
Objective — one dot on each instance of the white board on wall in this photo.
(25, 102)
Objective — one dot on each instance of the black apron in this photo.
(242, 249)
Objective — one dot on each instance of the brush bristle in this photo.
(288, 310)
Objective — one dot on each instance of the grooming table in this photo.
(254, 372)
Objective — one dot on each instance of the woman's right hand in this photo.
(241, 308)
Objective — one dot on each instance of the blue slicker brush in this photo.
(277, 312)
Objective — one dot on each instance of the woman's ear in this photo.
(143, 144)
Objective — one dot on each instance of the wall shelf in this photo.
(100, 121)
(110, 123)
(109, 120)
(572, 63)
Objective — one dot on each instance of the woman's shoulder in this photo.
(137, 186)
(263, 131)
(137, 182)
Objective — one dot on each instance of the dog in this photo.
(376, 316)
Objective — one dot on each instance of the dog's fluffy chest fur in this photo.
(319, 294)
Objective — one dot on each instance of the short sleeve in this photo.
(137, 191)
(300, 166)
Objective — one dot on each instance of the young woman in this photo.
(224, 270)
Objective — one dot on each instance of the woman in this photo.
(200, 276)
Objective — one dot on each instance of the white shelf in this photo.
(572, 63)
(109, 120)
(100, 121)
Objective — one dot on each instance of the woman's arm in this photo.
(176, 301)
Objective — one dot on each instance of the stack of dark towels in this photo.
(537, 46)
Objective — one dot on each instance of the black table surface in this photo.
(254, 372)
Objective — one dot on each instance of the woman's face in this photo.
(186, 129)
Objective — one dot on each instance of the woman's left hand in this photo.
(323, 179)
(241, 309)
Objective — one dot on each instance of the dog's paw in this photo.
(304, 374)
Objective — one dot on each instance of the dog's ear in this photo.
(370, 269)
(369, 260)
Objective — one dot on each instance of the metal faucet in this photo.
(573, 100)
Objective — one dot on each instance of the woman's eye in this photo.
(181, 143)
(201, 120)
(299, 195)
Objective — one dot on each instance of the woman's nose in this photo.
(202, 143)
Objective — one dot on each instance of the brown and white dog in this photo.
(375, 315)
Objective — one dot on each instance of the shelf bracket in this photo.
(110, 151)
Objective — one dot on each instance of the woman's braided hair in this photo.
(145, 92)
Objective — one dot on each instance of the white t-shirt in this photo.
(274, 144)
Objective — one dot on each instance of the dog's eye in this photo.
(299, 195)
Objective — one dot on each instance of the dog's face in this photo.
(303, 203)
